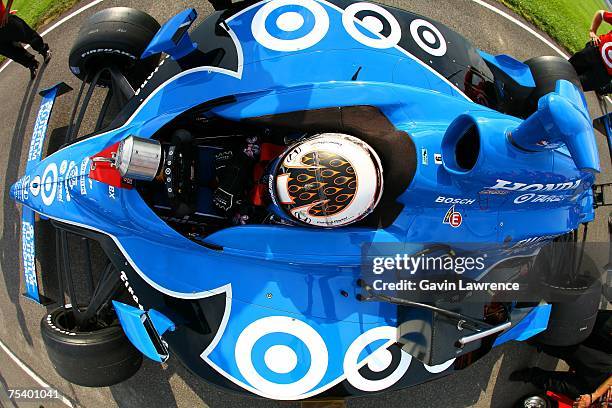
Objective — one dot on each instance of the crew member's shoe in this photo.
(47, 54)
(33, 70)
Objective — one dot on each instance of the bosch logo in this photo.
(450, 200)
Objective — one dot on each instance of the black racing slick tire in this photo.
(571, 321)
(98, 358)
(546, 71)
(115, 37)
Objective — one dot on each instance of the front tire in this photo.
(100, 357)
(115, 37)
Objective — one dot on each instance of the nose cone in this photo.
(24, 188)
(18, 190)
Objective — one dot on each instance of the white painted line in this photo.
(32, 374)
(523, 26)
(57, 24)
(528, 29)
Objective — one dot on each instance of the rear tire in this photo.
(546, 71)
(115, 36)
(98, 358)
(575, 304)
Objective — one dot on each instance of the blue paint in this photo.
(269, 271)
(517, 70)
(169, 38)
(535, 322)
(131, 321)
(562, 117)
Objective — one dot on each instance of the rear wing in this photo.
(28, 243)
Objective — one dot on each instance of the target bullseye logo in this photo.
(290, 21)
(281, 359)
(606, 54)
(382, 361)
(428, 37)
(373, 23)
(49, 184)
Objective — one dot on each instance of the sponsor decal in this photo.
(375, 21)
(538, 198)
(494, 192)
(530, 242)
(437, 158)
(71, 179)
(514, 186)
(83, 176)
(35, 186)
(451, 200)
(29, 258)
(453, 218)
(424, 157)
(49, 184)
(280, 356)
(270, 33)
(127, 285)
(40, 129)
(428, 37)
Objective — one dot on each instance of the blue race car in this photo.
(240, 173)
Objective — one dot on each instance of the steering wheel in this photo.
(178, 179)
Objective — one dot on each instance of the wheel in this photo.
(100, 357)
(546, 72)
(575, 304)
(115, 37)
(534, 401)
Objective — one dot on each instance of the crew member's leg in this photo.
(584, 59)
(17, 53)
(561, 382)
(25, 34)
(591, 70)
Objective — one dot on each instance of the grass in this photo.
(566, 21)
(39, 12)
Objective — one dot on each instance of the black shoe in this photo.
(47, 55)
(33, 70)
(523, 375)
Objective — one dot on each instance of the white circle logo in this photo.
(290, 22)
(435, 369)
(428, 37)
(35, 186)
(281, 359)
(49, 187)
(381, 360)
(373, 24)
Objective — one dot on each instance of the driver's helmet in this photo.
(328, 180)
